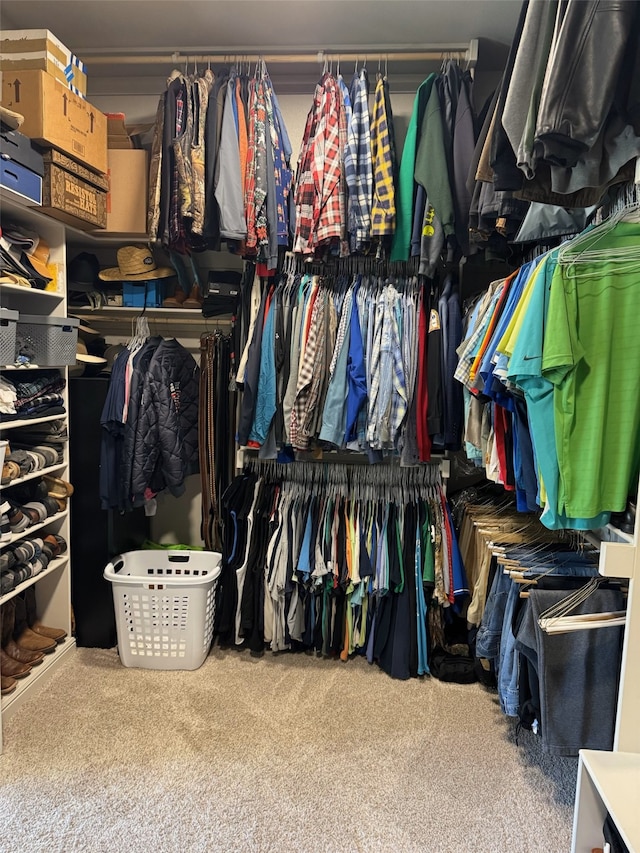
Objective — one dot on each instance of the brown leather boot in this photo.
(7, 685)
(194, 299)
(24, 636)
(12, 668)
(57, 634)
(176, 300)
(9, 667)
(9, 645)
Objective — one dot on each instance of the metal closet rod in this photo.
(459, 52)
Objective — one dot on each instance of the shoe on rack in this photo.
(12, 668)
(57, 634)
(53, 543)
(176, 300)
(51, 505)
(8, 665)
(5, 527)
(18, 521)
(24, 635)
(23, 655)
(194, 300)
(57, 487)
(38, 507)
(10, 472)
(7, 685)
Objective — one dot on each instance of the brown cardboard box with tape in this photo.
(54, 116)
(23, 50)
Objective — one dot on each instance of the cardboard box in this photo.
(117, 136)
(73, 194)
(55, 116)
(127, 197)
(23, 50)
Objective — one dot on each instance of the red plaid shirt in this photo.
(319, 198)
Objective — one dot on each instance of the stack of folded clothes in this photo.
(36, 396)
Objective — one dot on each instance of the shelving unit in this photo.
(53, 585)
(26, 534)
(607, 782)
(610, 781)
(51, 469)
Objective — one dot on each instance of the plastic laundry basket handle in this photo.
(112, 568)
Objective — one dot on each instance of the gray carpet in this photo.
(285, 753)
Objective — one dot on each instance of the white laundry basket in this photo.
(165, 605)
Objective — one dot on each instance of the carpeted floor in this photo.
(283, 753)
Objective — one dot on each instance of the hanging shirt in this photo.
(357, 382)
(592, 357)
(525, 370)
(383, 210)
(402, 237)
(334, 416)
(228, 190)
(431, 169)
(318, 189)
(281, 161)
(358, 165)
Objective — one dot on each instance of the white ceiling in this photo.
(142, 26)
(103, 32)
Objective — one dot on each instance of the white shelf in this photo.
(607, 782)
(620, 534)
(26, 534)
(36, 679)
(121, 313)
(79, 237)
(34, 475)
(30, 292)
(22, 368)
(53, 566)
(29, 421)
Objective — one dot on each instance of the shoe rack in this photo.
(609, 782)
(52, 586)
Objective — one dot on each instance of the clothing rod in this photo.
(465, 53)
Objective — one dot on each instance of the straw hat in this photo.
(28, 250)
(12, 119)
(39, 257)
(135, 263)
(86, 364)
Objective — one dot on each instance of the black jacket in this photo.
(136, 386)
(166, 445)
(592, 61)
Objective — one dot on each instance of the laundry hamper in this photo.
(164, 606)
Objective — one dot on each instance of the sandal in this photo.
(10, 471)
(58, 488)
